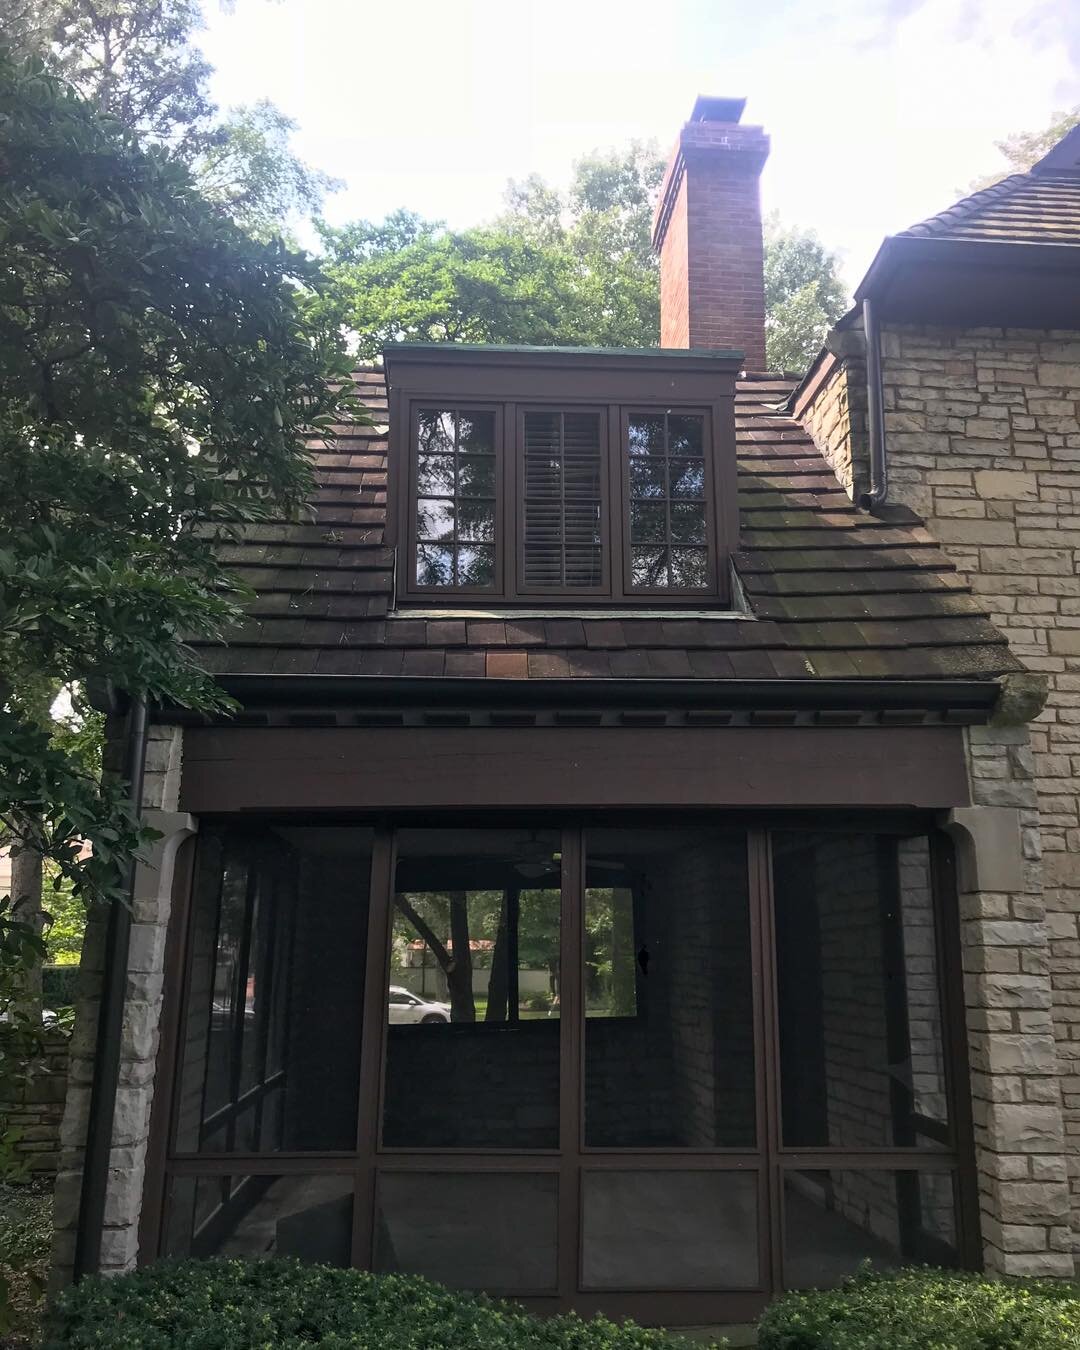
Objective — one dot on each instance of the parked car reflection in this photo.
(403, 1006)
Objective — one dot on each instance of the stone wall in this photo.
(34, 1111)
(1020, 1137)
(835, 416)
(983, 433)
(151, 907)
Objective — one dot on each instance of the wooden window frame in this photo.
(769, 1160)
(511, 382)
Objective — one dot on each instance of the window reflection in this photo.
(257, 1217)
(275, 990)
(669, 1036)
(473, 1006)
(862, 1059)
(455, 504)
(837, 1221)
(668, 540)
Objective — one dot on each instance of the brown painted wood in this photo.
(511, 381)
(374, 768)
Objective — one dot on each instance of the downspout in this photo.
(875, 420)
(110, 1026)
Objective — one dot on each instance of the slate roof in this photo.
(835, 592)
(1041, 207)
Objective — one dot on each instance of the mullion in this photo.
(667, 497)
(457, 481)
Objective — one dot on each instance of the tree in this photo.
(571, 268)
(138, 62)
(1025, 148)
(804, 296)
(158, 371)
(245, 164)
(574, 268)
(134, 58)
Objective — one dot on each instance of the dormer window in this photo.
(553, 476)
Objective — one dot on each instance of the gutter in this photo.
(110, 1025)
(875, 418)
(255, 691)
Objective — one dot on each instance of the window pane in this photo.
(476, 433)
(435, 432)
(648, 567)
(476, 477)
(687, 523)
(434, 518)
(475, 936)
(684, 435)
(688, 478)
(689, 568)
(435, 475)
(648, 522)
(646, 435)
(669, 1049)
(489, 1230)
(647, 478)
(669, 1230)
(456, 491)
(861, 1053)
(434, 566)
(836, 1220)
(260, 1217)
(475, 566)
(476, 521)
(297, 930)
(660, 514)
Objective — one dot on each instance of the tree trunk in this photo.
(499, 983)
(459, 974)
(27, 877)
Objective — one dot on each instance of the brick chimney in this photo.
(707, 231)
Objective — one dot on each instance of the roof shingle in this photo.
(833, 591)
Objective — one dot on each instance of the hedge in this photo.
(926, 1310)
(59, 985)
(252, 1305)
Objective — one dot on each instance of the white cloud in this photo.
(879, 110)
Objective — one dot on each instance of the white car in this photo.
(405, 1006)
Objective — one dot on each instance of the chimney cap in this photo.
(708, 109)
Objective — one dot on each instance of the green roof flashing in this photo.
(490, 348)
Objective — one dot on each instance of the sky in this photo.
(881, 112)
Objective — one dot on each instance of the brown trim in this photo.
(509, 382)
(767, 1159)
(572, 1063)
(950, 973)
(166, 1065)
(373, 1041)
(571, 767)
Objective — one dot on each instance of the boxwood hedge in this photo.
(926, 1310)
(254, 1305)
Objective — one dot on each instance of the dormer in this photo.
(561, 476)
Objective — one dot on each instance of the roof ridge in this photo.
(966, 207)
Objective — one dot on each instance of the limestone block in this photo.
(1014, 1127)
(1065, 641)
(1006, 485)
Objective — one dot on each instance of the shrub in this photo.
(59, 985)
(926, 1310)
(25, 1242)
(241, 1305)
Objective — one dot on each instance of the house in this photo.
(747, 711)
